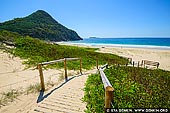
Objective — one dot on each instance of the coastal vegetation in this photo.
(37, 51)
(40, 25)
(6, 36)
(133, 88)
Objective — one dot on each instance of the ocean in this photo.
(158, 43)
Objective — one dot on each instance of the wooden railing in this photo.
(56, 61)
(108, 88)
(143, 63)
(150, 63)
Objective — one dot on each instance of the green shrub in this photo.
(94, 94)
(133, 88)
(37, 51)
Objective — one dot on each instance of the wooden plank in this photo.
(72, 59)
(60, 60)
(41, 77)
(104, 78)
(151, 63)
(52, 62)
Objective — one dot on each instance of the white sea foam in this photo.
(120, 45)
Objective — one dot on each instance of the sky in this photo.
(99, 18)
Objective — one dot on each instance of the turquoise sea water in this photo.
(160, 43)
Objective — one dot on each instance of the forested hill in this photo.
(40, 25)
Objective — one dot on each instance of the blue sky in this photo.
(100, 18)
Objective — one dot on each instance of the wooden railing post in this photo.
(157, 65)
(133, 63)
(142, 63)
(80, 66)
(97, 63)
(41, 77)
(138, 63)
(65, 68)
(108, 97)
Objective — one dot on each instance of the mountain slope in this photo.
(40, 25)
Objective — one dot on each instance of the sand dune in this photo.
(13, 74)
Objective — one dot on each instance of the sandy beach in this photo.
(137, 54)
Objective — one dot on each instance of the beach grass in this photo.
(33, 88)
(9, 96)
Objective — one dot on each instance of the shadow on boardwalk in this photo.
(41, 96)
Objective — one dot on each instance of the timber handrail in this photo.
(72, 58)
(52, 62)
(108, 88)
(151, 63)
(56, 61)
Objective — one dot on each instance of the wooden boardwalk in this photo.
(66, 98)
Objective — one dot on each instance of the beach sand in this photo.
(137, 54)
(14, 75)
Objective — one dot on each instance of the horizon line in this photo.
(131, 37)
